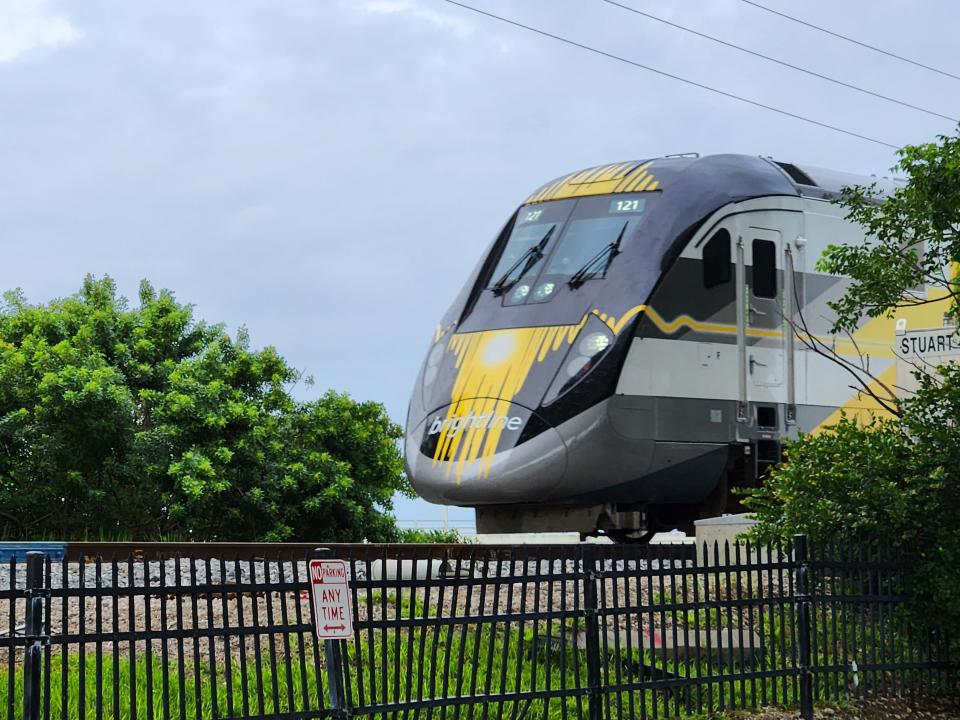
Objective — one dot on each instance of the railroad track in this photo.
(85, 551)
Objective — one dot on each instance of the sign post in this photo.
(332, 615)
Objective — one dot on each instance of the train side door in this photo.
(762, 330)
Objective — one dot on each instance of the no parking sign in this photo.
(330, 588)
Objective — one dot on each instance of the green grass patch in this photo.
(142, 688)
(386, 668)
(406, 664)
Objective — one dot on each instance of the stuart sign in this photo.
(330, 589)
(928, 343)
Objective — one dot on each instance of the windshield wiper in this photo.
(531, 257)
(609, 251)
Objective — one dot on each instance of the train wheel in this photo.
(630, 537)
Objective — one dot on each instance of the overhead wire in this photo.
(851, 40)
(678, 78)
(798, 68)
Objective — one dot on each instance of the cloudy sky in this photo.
(326, 172)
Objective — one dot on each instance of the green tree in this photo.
(145, 422)
(913, 238)
(895, 482)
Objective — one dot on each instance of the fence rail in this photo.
(459, 631)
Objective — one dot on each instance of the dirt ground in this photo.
(875, 709)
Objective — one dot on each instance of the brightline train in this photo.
(627, 351)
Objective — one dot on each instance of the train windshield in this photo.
(534, 224)
(565, 241)
(596, 224)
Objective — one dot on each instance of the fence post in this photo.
(592, 627)
(331, 651)
(33, 632)
(802, 599)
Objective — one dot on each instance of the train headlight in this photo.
(575, 366)
(433, 359)
(594, 343)
(581, 359)
(521, 292)
(544, 290)
(433, 364)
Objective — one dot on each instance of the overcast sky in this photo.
(328, 172)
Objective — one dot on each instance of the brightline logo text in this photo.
(451, 426)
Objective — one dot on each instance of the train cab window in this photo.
(764, 269)
(600, 227)
(716, 260)
(536, 229)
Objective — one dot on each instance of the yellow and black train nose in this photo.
(484, 448)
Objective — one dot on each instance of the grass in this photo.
(128, 688)
(387, 667)
(406, 664)
(432, 536)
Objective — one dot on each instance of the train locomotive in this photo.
(627, 351)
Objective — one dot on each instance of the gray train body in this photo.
(634, 395)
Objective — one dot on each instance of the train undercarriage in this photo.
(626, 522)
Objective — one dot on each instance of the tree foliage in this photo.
(896, 481)
(892, 483)
(145, 422)
(913, 238)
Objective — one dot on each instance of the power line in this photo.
(781, 62)
(618, 58)
(851, 40)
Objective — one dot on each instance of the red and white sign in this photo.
(331, 599)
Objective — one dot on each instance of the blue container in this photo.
(19, 550)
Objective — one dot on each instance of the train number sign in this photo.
(330, 588)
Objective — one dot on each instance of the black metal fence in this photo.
(458, 631)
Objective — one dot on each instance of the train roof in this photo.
(813, 181)
(742, 176)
